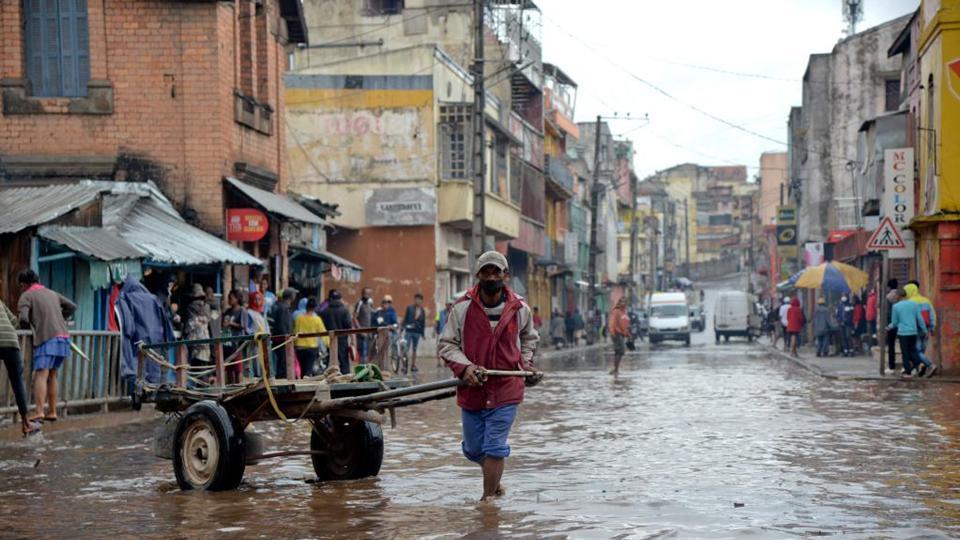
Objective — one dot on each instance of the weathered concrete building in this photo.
(773, 194)
(380, 122)
(854, 82)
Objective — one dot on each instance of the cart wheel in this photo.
(208, 449)
(352, 448)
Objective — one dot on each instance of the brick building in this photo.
(185, 94)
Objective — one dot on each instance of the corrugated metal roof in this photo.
(275, 204)
(167, 238)
(103, 244)
(25, 207)
(327, 256)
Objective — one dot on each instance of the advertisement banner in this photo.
(897, 202)
(246, 225)
(813, 253)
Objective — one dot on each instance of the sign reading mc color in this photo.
(246, 224)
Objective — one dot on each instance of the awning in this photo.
(25, 207)
(838, 235)
(273, 203)
(306, 253)
(95, 242)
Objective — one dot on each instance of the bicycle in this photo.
(399, 349)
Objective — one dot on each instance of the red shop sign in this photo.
(246, 224)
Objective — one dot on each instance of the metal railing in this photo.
(90, 381)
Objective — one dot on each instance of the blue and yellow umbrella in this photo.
(831, 276)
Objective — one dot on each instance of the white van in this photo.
(735, 314)
(669, 317)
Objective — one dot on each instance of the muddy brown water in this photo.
(711, 441)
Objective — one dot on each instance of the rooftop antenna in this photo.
(852, 14)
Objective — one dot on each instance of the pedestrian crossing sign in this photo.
(886, 237)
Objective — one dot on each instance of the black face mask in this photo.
(492, 286)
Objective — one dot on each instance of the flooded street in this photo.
(707, 441)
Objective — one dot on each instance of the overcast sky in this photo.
(649, 39)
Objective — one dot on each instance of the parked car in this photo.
(735, 314)
(669, 317)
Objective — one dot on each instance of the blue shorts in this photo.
(485, 432)
(51, 353)
(414, 339)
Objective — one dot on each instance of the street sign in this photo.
(886, 237)
(786, 235)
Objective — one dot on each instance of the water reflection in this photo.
(684, 443)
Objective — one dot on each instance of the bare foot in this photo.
(500, 492)
(614, 372)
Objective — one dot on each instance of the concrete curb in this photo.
(552, 353)
(816, 370)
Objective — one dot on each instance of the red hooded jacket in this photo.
(468, 338)
(795, 317)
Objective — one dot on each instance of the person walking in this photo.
(45, 312)
(570, 328)
(440, 322)
(619, 329)
(784, 308)
(579, 326)
(891, 334)
(280, 319)
(337, 317)
(231, 324)
(912, 288)
(537, 321)
(491, 327)
(557, 328)
(363, 318)
(197, 326)
(870, 315)
(415, 325)
(13, 361)
(308, 348)
(821, 327)
(908, 320)
(795, 322)
(845, 318)
(774, 326)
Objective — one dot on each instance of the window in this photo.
(382, 7)
(891, 95)
(57, 47)
(454, 138)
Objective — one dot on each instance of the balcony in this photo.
(455, 203)
(502, 218)
(559, 178)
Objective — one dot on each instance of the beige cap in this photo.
(492, 257)
(387, 298)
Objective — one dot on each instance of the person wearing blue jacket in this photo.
(908, 320)
(142, 318)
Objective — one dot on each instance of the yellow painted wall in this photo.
(939, 46)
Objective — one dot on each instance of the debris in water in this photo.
(738, 505)
(36, 464)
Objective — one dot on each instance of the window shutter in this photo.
(74, 47)
(33, 43)
(52, 82)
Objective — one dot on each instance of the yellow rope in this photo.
(266, 380)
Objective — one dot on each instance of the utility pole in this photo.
(634, 226)
(479, 231)
(594, 215)
(686, 236)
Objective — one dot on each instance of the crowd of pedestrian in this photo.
(849, 327)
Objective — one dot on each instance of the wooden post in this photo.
(334, 349)
(881, 313)
(182, 363)
(290, 355)
(264, 344)
(383, 347)
(218, 363)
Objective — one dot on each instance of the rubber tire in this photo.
(749, 337)
(360, 456)
(230, 440)
(717, 335)
(687, 341)
(726, 339)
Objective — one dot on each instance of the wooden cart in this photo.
(205, 432)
